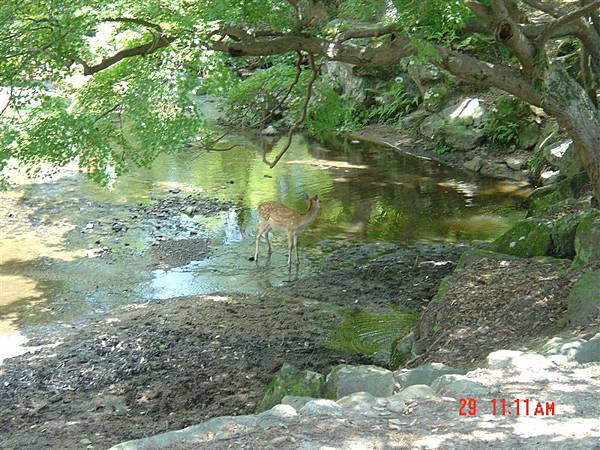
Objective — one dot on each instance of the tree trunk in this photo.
(575, 112)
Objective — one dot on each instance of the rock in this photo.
(434, 98)
(269, 131)
(458, 386)
(529, 237)
(584, 299)
(514, 163)
(346, 379)
(501, 170)
(541, 199)
(341, 76)
(563, 236)
(518, 361)
(279, 414)
(413, 120)
(474, 164)
(396, 404)
(296, 401)
(424, 374)
(321, 407)
(462, 137)
(562, 346)
(432, 127)
(468, 112)
(424, 75)
(589, 351)
(548, 177)
(587, 238)
(362, 403)
(528, 135)
(415, 391)
(402, 350)
(564, 157)
(85, 441)
(291, 381)
(190, 210)
(220, 427)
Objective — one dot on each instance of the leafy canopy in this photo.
(130, 111)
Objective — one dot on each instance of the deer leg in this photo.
(262, 227)
(296, 246)
(290, 248)
(269, 251)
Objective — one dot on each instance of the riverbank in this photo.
(509, 166)
(520, 399)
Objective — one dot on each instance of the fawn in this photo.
(275, 216)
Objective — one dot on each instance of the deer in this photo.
(276, 216)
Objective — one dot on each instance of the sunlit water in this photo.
(368, 194)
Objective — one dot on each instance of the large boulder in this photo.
(458, 386)
(584, 299)
(562, 346)
(432, 127)
(415, 391)
(468, 112)
(587, 238)
(528, 135)
(291, 381)
(563, 236)
(424, 374)
(589, 351)
(529, 237)
(346, 379)
(424, 75)
(462, 137)
(413, 120)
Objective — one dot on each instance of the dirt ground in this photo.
(154, 367)
(495, 303)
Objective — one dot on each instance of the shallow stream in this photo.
(69, 248)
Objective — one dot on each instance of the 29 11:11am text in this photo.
(503, 407)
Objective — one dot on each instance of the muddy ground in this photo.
(164, 365)
(154, 367)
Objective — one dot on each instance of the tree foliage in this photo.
(108, 81)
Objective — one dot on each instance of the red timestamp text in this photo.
(503, 407)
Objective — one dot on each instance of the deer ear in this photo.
(316, 198)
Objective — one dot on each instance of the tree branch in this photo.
(141, 50)
(287, 94)
(302, 118)
(142, 22)
(509, 32)
(563, 20)
(366, 32)
(550, 8)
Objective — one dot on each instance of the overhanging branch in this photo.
(144, 49)
(565, 19)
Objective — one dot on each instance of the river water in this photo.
(54, 272)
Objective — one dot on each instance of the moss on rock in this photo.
(587, 238)
(529, 237)
(584, 299)
(291, 381)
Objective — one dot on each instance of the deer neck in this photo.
(309, 216)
